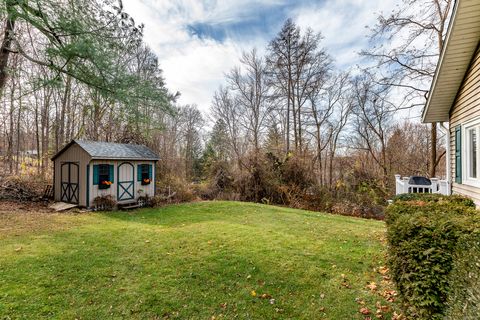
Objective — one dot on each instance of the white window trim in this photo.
(466, 179)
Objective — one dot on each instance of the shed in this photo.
(84, 170)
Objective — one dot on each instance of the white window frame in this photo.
(466, 178)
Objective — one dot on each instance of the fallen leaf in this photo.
(383, 270)
(364, 311)
(372, 286)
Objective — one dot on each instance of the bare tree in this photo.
(372, 122)
(412, 39)
(248, 82)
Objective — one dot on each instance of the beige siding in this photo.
(126, 174)
(94, 190)
(79, 156)
(466, 108)
(147, 189)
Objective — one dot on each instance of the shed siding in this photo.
(144, 190)
(148, 189)
(79, 156)
(466, 108)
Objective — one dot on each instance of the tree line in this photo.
(285, 123)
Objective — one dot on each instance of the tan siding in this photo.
(79, 156)
(148, 189)
(124, 172)
(466, 108)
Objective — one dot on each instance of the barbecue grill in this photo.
(418, 184)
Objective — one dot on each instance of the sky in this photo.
(198, 41)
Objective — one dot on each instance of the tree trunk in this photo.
(5, 50)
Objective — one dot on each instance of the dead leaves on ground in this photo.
(384, 290)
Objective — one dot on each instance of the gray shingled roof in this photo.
(110, 150)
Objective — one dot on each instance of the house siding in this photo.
(79, 156)
(465, 109)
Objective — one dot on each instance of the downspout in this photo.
(447, 156)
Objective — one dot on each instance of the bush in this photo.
(259, 182)
(464, 296)
(104, 203)
(422, 236)
(435, 197)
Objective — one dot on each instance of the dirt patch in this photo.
(7, 207)
(19, 218)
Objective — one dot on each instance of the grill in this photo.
(419, 184)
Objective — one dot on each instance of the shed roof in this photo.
(460, 45)
(109, 150)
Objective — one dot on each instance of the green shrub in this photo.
(435, 197)
(422, 237)
(464, 296)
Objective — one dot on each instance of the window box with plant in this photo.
(105, 184)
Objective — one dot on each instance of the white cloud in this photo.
(196, 66)
(191, 65)
(343, 24)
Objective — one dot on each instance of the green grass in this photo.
(190, 261)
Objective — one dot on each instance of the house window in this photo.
(471, 153)
(103, 172)
(472, 148)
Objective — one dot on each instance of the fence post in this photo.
(398, 184)
(405, 184)
(434, 185)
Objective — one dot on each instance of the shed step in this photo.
(131, 206)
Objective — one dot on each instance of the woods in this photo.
(287, 126)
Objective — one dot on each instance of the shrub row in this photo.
(423, 233)
(464, 296)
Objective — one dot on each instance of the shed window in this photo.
(103, 172)
(144, 172)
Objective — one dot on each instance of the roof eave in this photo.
(454, 62)
(425, 116)
(125, 158)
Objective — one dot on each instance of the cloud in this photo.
(198, 41)
(343, 24)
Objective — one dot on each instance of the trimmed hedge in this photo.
(422, 233)
(464, 297)
(435, 197)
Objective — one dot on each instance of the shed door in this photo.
(69, 188)
(125, 188)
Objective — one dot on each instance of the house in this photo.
(84, 170)
(454, 98)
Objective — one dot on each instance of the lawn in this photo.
(206, 260)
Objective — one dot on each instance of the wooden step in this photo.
(130, 206)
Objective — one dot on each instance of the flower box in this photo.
(146, 182)
(104, 184)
